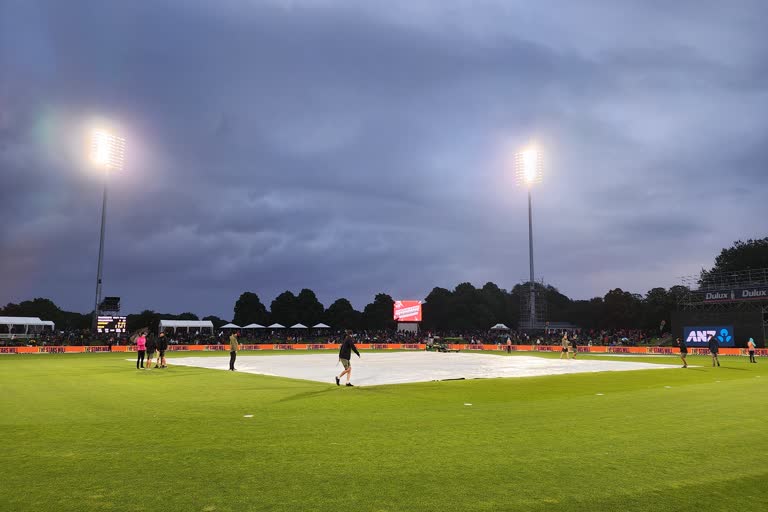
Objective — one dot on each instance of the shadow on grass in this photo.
(305, 395)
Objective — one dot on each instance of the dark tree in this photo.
(250, 310)
(146, 319)
(379, 313)
(309, 309)
(437, 309)
(341, 315)
(621, 309)
(284, 309)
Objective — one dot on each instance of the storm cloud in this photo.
(362, 147)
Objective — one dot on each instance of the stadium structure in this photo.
(724, 300)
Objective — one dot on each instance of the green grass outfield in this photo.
(89, 432)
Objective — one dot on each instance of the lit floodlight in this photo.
(107, 150)
(529, 167)
(107, 153)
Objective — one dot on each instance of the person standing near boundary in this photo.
(162, 346)
(751, 350)
(509, 345)
(234, 346)
(141, 346)
(713, 348)
(564, 343)
(575, 345)
(151, 347)
(345, 352)
(683, 351)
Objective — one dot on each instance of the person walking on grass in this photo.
(141, 346)
(564, 343)
(575, 345)
(751, 350)
(234, 346)
(162, 346)
(151, 347)
(713, 348)
(683, 351)
(345, 353)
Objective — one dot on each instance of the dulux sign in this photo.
(756, 293)
(698, 336)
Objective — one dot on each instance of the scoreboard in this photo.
(111, 324)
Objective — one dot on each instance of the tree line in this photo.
(464, 307)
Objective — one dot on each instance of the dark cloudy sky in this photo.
(358, 147)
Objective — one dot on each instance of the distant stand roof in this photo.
(186, 323)
(23, 320)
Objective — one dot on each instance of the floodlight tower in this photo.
(107, 154)
(529, 168)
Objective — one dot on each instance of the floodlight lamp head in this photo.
(107, 150)
(528, 167)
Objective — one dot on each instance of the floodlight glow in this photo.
(107, 150)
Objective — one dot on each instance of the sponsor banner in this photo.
(618, 350)
(737, 294)
(97, 349)
(698, 336)
(407, 311)
(663, 350)
(282, 347)
(380, 346)
(318, 346)
(52, 350)
(178, 348)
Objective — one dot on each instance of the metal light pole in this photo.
(108, 154)
(528, 171)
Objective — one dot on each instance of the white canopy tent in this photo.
(276, 326)
(29, 323)
(254, 326)
(321, 326)
(230, 326)
(499, 327)
(195, 325)
(298, 326)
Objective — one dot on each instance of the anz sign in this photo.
(698, 336)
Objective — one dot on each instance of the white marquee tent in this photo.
(254, 326)
(298, 326)
(499, 327)
(276, 326)
(321, 326)
(29, 323)
(230, 326)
